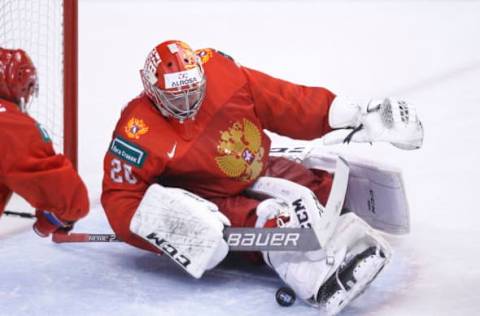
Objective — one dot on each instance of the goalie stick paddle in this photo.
(238, 239)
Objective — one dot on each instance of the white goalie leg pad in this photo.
(367, 254)
(294, 206)
(356, 235)
(306, 274)
(303, 273)
(376, 191)
(377, 194)
(184, 226)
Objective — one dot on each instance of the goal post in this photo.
(70, 80)
(48, 31)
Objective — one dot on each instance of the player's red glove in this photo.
(47, 223)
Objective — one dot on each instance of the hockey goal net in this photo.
(47, 31)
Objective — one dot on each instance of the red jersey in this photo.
(218, 154)
(30, 168)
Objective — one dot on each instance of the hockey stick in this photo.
(19, 214)
(238, 239)
(83, 237)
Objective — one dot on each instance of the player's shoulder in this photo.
(19, 130)
(140, 103)
(9, 109)
(224, 74)
(212, 55)
(12, 118)
(141, 128)
(140, 117)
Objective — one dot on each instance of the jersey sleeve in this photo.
(288, 109)
(129, 169)
(46, 180)
(5, 194)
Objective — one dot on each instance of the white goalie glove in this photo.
(184, 226)
(388, 120)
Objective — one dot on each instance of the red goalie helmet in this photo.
(18, 77)
(174, 80)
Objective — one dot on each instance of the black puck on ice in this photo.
(285, 296)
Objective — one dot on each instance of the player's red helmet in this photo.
(18, 77)
(174, 80)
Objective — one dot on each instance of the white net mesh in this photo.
(36, 26)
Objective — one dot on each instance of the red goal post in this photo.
(70, 78)
(48, 31)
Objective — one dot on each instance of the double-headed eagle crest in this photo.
(136, 128)
(241, 151)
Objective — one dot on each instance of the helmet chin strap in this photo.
(22, 105)
(25, 105)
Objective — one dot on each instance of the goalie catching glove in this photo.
(184, 226)
(388, 120)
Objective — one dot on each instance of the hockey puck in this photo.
(285, 296)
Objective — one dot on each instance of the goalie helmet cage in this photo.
(47, 31)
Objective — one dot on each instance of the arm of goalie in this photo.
(184, 226)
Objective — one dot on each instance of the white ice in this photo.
(425, 51)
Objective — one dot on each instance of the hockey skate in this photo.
(350, 280)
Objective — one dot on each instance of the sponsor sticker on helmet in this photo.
(173, 48)
(151, 65)
(182, 78)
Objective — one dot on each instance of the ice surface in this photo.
(425, 51)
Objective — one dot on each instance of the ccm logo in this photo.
(263, 239)
(169, 250)
(301, 213)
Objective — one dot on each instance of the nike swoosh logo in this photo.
(171, 153)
